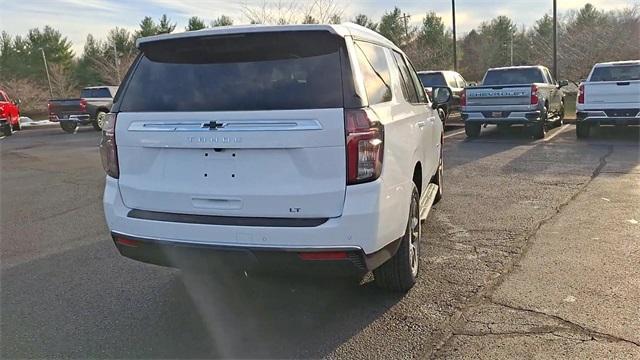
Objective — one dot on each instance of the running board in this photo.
(426, 200)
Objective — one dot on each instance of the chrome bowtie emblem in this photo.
(213, 125)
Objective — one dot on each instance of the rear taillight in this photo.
(83, 104)
(49, 107)
(581, 94)
(463, 97)
(108, 148)
(365, 146)
(534, 94)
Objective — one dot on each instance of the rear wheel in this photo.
(17, 126)
(538, 131)
(6, 129)
(100, 119)
(472, 130)
(69, 126)
(561, 114)
(582, 130)
(400, 272)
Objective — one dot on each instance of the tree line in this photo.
(585, 36)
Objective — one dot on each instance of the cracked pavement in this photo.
(531, 254)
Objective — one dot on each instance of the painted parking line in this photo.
(563, 128)
(454, 134)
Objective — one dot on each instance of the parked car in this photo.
(449, 79)
(9, 114)
(523, 95)
(609, 96)
(90, 108)
(309, 147)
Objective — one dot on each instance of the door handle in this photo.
(421, 124)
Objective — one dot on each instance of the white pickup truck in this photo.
(609, 96)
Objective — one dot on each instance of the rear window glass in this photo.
(434, 79)
(616, 73)
(513, 76)
(95, 93)
(265, 71)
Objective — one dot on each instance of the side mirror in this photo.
(441, 96)
(562, 83)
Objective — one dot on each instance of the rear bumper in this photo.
(82, 119)
(366, 227)
(601, 117)
(329, 262)
(504, 117)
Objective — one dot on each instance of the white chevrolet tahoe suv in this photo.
(609, 96)
(286, 147)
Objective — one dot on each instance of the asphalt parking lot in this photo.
(533, 250)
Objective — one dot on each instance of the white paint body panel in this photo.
(275, 171)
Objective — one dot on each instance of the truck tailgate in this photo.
(612, 94)
(498, 95)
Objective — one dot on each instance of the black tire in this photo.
(472, 130)
(69, 126)
(7, 130)
(582, 130)
(99, 122)
(399, 273)
(561, 115)
(538, 131)
(17, 127)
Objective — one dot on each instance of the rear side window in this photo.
(375, 71)
(262, 71)
(513, 77)
(432, 79)
(616, 73)
(408, 89)
(95, 93)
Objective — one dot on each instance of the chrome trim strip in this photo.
(242, 245)
(235, 125)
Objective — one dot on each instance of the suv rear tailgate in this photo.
(287, 163)
(248, 125)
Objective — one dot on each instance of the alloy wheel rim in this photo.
(101, 118)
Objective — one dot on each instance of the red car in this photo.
(9, 114)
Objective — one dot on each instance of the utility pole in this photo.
(455, 55)
(511, 49)
(555, 39)
(115, 60)
(46, 69)
(405, 17)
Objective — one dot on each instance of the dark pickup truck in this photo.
(90, 108)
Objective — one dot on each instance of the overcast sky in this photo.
(77, 18)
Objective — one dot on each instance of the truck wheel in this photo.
(100, 119)
(582, 130)
(400, 272)
(6, 129)
(472, 130)
(538, 131)
(17, 126)
(69, 126)
(561, 115)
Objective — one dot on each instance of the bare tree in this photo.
(107, 69)
(62, 81)
(33, 95)
(282, 12)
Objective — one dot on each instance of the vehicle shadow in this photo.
(281, 316)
